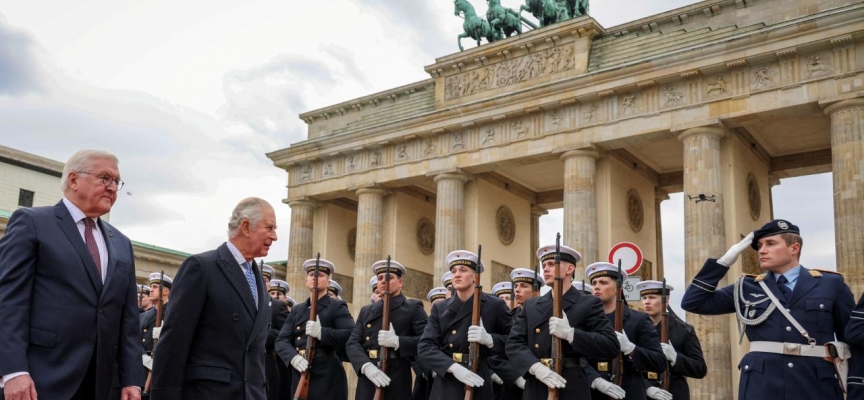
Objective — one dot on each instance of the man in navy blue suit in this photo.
(212, 343)
(785, 361)
(68, 293)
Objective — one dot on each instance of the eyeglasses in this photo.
(106, 180)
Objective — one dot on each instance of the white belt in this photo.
(789, 349)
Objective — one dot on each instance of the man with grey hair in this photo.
(68, 293)
(216, 330)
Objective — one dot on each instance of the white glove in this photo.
(658, 394)
(478, 334)
(520, 381)
(378, 377)
(669, 352)
(313, 328)
(299, 363)
(388, 338)
(547, 376)
(156, 331)
(561, 328)
(733, 252)
(497, 379)
(608, 388)
(465, 375)
(627, 347)
(148, 361)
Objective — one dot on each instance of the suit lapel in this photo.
(108, 236)
(805, 283)
(233, 273)
(458, 310)
(378, 311)
(545, 306)
(67, 225)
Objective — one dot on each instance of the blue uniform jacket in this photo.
(821, 303)
(855, 339)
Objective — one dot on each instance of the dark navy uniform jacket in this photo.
(647, 356)
(530, 341)
(278, 315)
(408, 318)
(690, 362)
(507, 371)
(327, 378)
(446, 335)
(855, 339)
(821, 302)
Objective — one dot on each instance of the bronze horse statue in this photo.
(577, 8)
(475, 27)
(546, 11)
(504, 21)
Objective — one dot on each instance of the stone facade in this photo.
(719, 100)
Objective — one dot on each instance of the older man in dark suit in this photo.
(212, 344)
(67, 293)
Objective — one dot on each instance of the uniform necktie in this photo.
(781, 282)
(90, 241)
(250, 279)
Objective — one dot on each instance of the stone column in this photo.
(299, 246)
(772, 181)
(659, 197)
(370, 218)
(449, 218)
(536, 213)
(847, 167)
(580, 206)
(704, 237)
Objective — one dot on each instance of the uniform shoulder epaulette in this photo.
(760, 277)
(815, 271)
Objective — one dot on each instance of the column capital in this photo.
(371, 190)
(714, 131)
(452, 176)
(302, 203)
(538, 211)
(843, 105)
(582, 153)
(660, 195)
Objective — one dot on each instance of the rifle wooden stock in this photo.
(384, 351)
(664, 333)
(302, 391)
(474, 347)
(557, 293)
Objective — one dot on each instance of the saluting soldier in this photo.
(784, 362)
(407, 320)
(639, 343)
(584, 329)
(332, 327)
(683, 352)
(527, 286)
(444, 347)
(423, 378)
(148, 318)
(278, 315)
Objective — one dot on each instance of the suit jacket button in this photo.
(368, 325)
(536, 346)
(451, 345)
(298, 337)
(454, 332)
(298, 328)
(145, 330)
(537, 330)
(235, 317)
(367, 338)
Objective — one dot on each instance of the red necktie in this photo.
(91, 245)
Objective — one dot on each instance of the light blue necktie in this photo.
(250, 279)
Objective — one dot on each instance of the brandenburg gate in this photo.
(718, 100)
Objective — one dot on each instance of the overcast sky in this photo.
(191, 95)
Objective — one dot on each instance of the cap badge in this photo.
(783, 225)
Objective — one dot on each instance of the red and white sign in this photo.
(629, 254)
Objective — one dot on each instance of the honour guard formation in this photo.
(226, 328)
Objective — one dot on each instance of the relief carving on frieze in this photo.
(510, 72)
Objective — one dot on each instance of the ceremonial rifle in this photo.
(303, 384)
(156, 324)
(557, 292)
(618, 371)
(664, 332)
(474, 347)
(383, 351)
